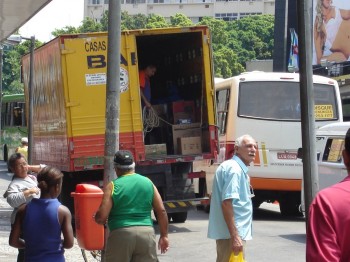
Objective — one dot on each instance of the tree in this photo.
(254, 34)
(180, 20)
(156, 21)
(130, 22)
(226, 63)
(90, 25)
(218, 29)
(12, 67)
(65, 30)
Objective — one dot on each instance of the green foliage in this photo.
(12, 68)
(156, 21)
(180, 20)
(133, 22)
(65, 30)
(90, 25)
(253, 35)
(218, 31)
(104, 21)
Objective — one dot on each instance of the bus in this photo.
(13, 123)
(267, 107)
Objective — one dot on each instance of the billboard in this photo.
(331, 31)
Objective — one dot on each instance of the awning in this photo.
(15, 13)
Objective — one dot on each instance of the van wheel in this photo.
(179, 217)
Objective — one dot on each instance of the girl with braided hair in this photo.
(43, 220)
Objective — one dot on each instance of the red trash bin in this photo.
(89, 234)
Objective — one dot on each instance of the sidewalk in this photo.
(9, 254)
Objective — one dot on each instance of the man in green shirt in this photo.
(126, 208)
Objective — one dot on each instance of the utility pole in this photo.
(112, 95)
(31, 93)
(304, 11)
(1, 54)
(113, 89)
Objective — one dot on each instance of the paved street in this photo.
(275, 238)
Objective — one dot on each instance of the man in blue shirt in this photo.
(231, 210)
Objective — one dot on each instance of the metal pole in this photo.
(112, 95)
(113, 89)
(1, 54)
(304, 8)
(31, 92)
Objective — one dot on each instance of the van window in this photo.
(281, 101)
(222, 103)
(333, 150)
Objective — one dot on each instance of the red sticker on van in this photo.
(292, 156)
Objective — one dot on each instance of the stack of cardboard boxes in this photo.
(186, 132)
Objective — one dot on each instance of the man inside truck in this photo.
(145, 84)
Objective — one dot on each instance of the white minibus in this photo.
(267, 107)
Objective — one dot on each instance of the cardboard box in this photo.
(190, 145)
(156, 149)
(185, 130)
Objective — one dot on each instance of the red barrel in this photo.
(89, 234)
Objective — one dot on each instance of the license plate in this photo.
(292, 156)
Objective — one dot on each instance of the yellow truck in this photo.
(69, 104)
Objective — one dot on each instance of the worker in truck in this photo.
(145, 84)
(231, 210)
(126, 208)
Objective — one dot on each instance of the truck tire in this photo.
(179, 217)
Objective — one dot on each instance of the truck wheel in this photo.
(179, 217)
(289, 206)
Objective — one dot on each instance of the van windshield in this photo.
(281, 101)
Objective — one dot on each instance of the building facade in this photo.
(194, 9)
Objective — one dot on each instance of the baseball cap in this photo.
(24, 140)
(123, 159)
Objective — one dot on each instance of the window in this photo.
(13, 114)
(333, 150)
(281, 101)
(222, 103)
(95, 2)
(226, 16)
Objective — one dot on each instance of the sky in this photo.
(56, 15)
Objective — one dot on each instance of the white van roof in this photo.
(334, 129)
